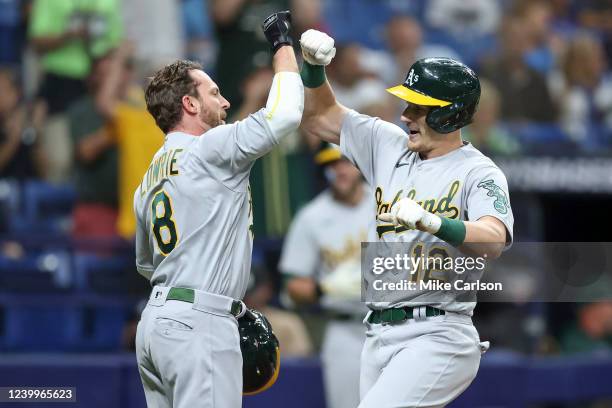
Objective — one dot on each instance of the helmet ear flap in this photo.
(448, 118)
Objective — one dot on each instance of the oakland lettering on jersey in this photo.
(161, 168)
(442, 206)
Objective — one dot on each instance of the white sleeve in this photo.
(487, 195)
(144, 257)
(232, 149)
(285, 104)
(260, 132)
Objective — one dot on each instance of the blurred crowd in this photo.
(71, 78)
(72, 110)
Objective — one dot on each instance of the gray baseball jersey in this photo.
(463, 184)
(194, 210)
(324, 236)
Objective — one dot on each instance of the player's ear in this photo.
(190, 104)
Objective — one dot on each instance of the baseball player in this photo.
(435, 193)
(194, 219)
(320, 259)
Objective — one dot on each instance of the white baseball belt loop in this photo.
(419, 313)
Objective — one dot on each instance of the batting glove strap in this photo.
(276, 29)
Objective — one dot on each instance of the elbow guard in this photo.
(285, 103)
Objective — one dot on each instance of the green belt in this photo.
(188, 295)
(400, 314)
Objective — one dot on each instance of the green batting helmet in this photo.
(260, 353)
(451, 88)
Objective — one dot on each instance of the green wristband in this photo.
(451, 231)
(313, 76)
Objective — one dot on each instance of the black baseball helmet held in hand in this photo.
(450, 87)
(260, 353)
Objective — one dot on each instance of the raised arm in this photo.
(108, 96)
(323, 115)
(234, 150)
(285, 102)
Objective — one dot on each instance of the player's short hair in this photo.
(166, 90)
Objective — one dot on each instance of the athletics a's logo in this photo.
(501, 203)
(412, 78)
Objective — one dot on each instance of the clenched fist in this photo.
(317, 47)
(276, 28)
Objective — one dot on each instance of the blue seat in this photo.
(41, 327)
(103, 274)
(41, 198)
(543, 139)
(10, 42)
(540, 132)
(103, 327)
(48, 271)
(10, 198)
(46, 207)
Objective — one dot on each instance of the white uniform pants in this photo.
(419, 363)
(340, 354)
(189, 354)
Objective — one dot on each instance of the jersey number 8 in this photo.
(164, 228)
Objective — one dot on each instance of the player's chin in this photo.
(415, 145)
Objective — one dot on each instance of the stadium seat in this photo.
(542, 139)
(103, 274)
(103, 327)
(75, 323)
(48, 271)
(46, 207)
(41, 326)
(10, 197)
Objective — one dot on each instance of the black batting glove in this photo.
(276, 28)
